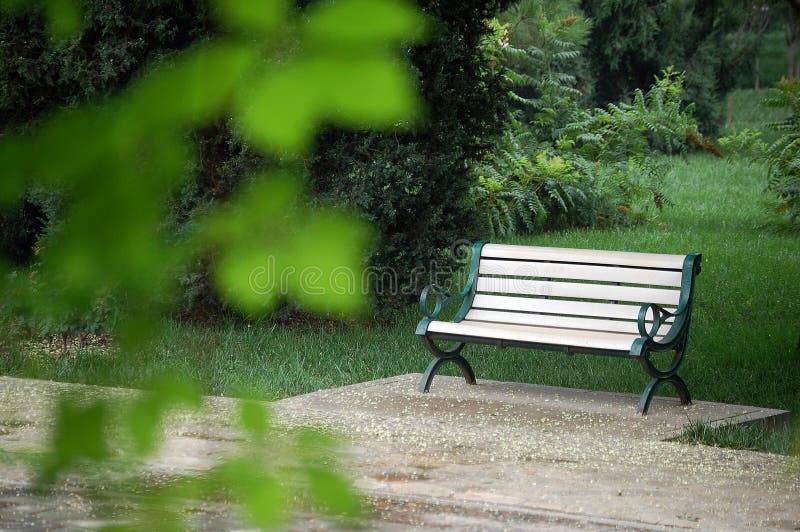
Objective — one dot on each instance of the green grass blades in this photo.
(755, 437)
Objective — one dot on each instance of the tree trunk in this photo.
(793, 38)
(729, 117)
(756, 73)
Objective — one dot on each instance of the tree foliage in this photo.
(633, 40)
(783, 155)
(559, 163)
(410, 183)
(413, 185)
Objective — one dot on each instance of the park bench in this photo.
(573, 300)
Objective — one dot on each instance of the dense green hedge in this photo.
(411, 185)
(414, 186)
(39, 75)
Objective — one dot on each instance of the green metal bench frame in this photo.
(675, 340)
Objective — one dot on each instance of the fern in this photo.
(783, 155)
(558, 164)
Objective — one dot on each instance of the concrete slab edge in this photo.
(507, 512)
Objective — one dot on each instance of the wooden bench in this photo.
(573, 300)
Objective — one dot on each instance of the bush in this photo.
(558, 164)
(632, 41)
(39, 74)
(747, 144)
(655, 121)
(783, 155)
(413, 187)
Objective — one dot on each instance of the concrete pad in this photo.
(497, 456)
(550, 406)
(567, 457)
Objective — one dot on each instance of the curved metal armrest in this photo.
(660, 315)
(442, 299)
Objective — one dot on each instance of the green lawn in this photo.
(749, 113)
(742, 349)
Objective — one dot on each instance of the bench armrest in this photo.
(442, 299)
(660, 315)
(678, 330)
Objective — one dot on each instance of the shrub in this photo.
(655, 121)
(747, 144)
(413, 187)
(558, 164)
(633, 40)
(520, 189)
(39, 74)
(783, 155)
(540, 45)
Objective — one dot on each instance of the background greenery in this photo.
(556, 123)
(743, 347)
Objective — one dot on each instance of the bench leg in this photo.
(650, 390)
(659, 377)
(441, 357)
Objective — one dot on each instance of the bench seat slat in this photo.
(556, 306)
(584, 256)
(581, 272)
(536, 335)
(578, 290)
(562, 322)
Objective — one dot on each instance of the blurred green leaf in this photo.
(262, 501)
(235, 273)
(254, 418)
(147, 412)
(269, 247)
(63, 17)
(109, 240)
(374, 92)
(174, 389)
(144, 425)
(183, 91)
(258, 15)
(261, 495)
(79, 434)
(364, 23)
(66, 145)
(328, 488)
(329, 245)
(118, 163)
(254, 226)
(281, 111)
(333, 492)
(258, 210)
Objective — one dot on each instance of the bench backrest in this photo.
(576, 288)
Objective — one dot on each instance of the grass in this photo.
(748, 113)
(755, 437)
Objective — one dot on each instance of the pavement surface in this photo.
(496, 456)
